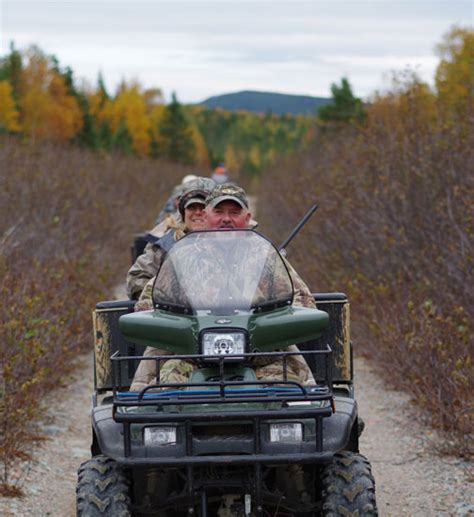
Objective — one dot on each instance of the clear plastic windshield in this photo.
(222, 272)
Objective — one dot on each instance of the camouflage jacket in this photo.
(147, 265)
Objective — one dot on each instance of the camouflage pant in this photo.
(179, 371)
(297, 369)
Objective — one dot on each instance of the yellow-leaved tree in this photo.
(455, 72)
(254, 157)
(64, 117)
(201, 154)
(231, 161)
(9, 116)
(156, 109)
(47, 109)
(128, 108)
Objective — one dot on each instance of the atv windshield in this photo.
(222, 272)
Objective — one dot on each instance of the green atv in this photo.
(225, 441)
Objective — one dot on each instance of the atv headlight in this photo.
(286, 433)
(226, 344)
(159, 435)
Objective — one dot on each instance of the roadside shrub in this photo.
(395, 231)
(67, 219)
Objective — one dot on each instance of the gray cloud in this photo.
(203, 48)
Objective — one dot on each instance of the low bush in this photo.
(395, 230)
(67, 220)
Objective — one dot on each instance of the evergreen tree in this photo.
(88, 136)
(101, 88)
(68, 76)
(345, 107)
(105, 136)
(121, 140)
(11, 67)
(176, 134)
(155, 151)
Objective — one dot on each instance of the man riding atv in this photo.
(226, 209)
(219, 441)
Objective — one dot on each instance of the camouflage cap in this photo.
(178, 191)
(195, 196)
(195, 191)
(200, 183)
(227, 191)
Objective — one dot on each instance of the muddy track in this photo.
(412, 480)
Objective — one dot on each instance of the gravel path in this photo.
(50, 481)
(411, 479)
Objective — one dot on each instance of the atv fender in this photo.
(338, 427)
(107, 433)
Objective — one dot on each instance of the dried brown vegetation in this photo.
(395, 231)
(67, 219)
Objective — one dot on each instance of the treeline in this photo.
(395, 230)
(249, 143)
(67, 219)
(40, 100)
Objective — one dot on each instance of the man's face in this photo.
(227, 215)
(195, 217)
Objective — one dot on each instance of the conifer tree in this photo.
(101, 87)
(88, 136)
(105, 135)
(176, 135)
(345, 107)
(121, 140)
(11, 67)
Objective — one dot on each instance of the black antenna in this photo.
(297, 228)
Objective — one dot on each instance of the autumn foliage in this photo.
(40, 100)
(67, 220)
(395, 230)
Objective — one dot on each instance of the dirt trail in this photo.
(50, 479)
(411, 479)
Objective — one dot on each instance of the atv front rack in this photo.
(284, 390)
(265, 400)
(244, 409)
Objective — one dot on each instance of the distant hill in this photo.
(263, 102)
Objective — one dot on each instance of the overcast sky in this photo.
(199, 49)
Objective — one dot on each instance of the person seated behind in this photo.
(192, 217)
(171, 205)
(220, 175)
(226, 208)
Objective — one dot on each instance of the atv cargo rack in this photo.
(174, 403)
